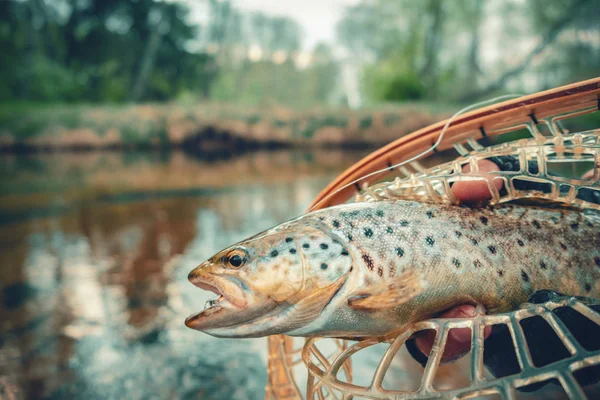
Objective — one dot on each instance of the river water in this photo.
(95, 249)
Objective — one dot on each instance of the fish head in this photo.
(271, 283)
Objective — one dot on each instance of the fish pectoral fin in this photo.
(388, 295)
(307, 308)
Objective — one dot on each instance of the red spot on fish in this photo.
(369, 261)
(392, 270)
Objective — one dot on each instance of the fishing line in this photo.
(432, 148)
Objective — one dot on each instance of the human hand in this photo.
(459, 339)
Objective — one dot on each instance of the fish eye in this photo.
(235, 259)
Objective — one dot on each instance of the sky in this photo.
(317, 17)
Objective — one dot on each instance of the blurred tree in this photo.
(323, 73)
(400, 43)
(264, 64)
(434, 49)
(549, 19)
(98, 50)
(149, 50)
(577, 50)
(123, 50)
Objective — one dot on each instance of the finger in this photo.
(476, 191)
(459, 339)
(588, 175)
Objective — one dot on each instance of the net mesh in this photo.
(538, 161)
(532, 133)
(324, 381)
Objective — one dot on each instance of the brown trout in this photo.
(366, 269)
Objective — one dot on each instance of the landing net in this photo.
(533, 131)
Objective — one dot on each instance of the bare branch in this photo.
(548, 38)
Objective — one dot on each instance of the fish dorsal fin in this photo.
(388, 294)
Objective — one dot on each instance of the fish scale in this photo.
(460, 239)
(495, 256)
(366, 269)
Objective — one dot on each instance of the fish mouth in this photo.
(218, 312)
(214, 289)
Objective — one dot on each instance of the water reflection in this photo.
(95, 251)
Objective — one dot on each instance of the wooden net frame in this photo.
(540, 115)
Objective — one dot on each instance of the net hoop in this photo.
(539, 114)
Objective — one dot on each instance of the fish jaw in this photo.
(228, 309)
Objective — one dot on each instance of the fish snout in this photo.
(194, 275)
(199, 273)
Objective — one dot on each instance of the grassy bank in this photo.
(203, 126)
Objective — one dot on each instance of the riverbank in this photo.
(204, 128)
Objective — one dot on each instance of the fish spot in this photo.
(404, 223)
(380, 271)
(483, 220)
(350, 237)
(520, 242)
(543, 265)
(389, 229)
(336, 224)
(392, 270)
(536, 223)
(324, 246)
(429, 214)
(500, 272)
(477, 264)
(368, 232)
(306, 246)
(475, 242)
(379, 213)
(524, 276)
(289, 239)
(369, 261)
(575, 226)
(458, 234)
(274, 253)
(456, 262)
(597, 261)
(429, 240)
(322, 218)
(351, 224)
(345, 252)
(323, 266)
(492, 249)
(588, 287)
(399, 251)
(292, 251)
